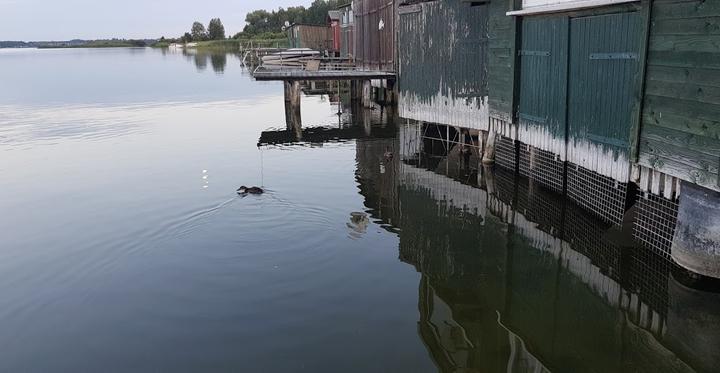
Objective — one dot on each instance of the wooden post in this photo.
(355, 90)
(287, 85)
(292, 107)
(295, 93)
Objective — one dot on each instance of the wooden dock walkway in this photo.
(323, 75)
(317, 68)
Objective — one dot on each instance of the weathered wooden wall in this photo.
(347, 28)
(501, 67)
(580, 83)
(680, 130)
(375, 34)
(443, 63)
(316, 37)
(604, 91)
(543, 82)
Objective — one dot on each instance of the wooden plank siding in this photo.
(543, 83)
(580, 92)
(443, 63)
(680, 133)
(501, 68)
(316, 37)
(375, 34)
(603, 92)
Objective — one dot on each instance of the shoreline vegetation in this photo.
(262, 29)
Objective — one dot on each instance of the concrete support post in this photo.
(696, 244)
(489, 153)
(367, 93)
(390, 96)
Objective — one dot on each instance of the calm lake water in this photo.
(125, 247)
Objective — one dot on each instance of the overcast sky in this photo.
(99, 19)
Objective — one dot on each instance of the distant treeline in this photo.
(78, 43)
(264, 22)
(260, 24)
(263, 25)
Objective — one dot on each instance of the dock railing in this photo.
(307, 63)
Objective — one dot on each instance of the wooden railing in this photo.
(309, 63)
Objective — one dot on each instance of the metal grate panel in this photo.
(505, 152)
(542, 166)
(655, 222)
(601, 195)
(647, 275)
(541, 206)
(586, 234)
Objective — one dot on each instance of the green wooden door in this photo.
(543, 66)
(603, 89)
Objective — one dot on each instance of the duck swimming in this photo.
(243, 190)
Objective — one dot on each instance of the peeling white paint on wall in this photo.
(593, 156)
(469, 112)
(540, 137)
(602, 159)
(501, 124)
(656, 182)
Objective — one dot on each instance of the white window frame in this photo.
(565, 5)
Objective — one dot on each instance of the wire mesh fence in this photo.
(505, 154)
(602, 195)
(542, 166)
(655, 222)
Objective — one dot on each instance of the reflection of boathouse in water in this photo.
(601, 118)
(517, 278)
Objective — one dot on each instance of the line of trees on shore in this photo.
(262, 21)
(260, 24)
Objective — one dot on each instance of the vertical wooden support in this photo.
(295, 93)
(292, 108)
(366, 93)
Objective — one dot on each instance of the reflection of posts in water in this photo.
(293, 118)
(361, 116)
(489, 177)
(361, 91)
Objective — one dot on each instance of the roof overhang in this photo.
(566, 6)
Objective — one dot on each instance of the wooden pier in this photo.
(289, 75)
(317, 68)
